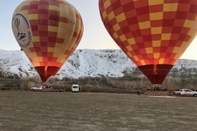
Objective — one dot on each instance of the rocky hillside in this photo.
(84, 63)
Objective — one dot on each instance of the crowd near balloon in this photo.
(152, 33)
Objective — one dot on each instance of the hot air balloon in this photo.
(152, 33)
(48, 31)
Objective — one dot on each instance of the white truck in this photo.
(185, 92)
(75, 88)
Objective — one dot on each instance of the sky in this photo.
(95, 35)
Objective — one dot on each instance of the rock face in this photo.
(85, 63)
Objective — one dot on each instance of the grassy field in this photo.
(63, 111)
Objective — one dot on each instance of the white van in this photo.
(75, 88)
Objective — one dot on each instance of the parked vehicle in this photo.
(75, 88)
(47, 88)
(36, 88)
(185, 92)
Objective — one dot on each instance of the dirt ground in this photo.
(63, 111)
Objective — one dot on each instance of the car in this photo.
(36, 88)
(75, 88)
(185, 92)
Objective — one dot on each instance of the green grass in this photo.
(64, 111)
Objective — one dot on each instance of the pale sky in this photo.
(95, 35)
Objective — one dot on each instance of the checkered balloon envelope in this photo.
(152, 33)
(48, 31)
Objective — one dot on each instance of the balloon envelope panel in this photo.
(55, 31)
(153, 33)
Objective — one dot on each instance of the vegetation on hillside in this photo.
(131, 81)
(104, 84)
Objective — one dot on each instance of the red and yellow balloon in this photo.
(48, 31)
(152, 33)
